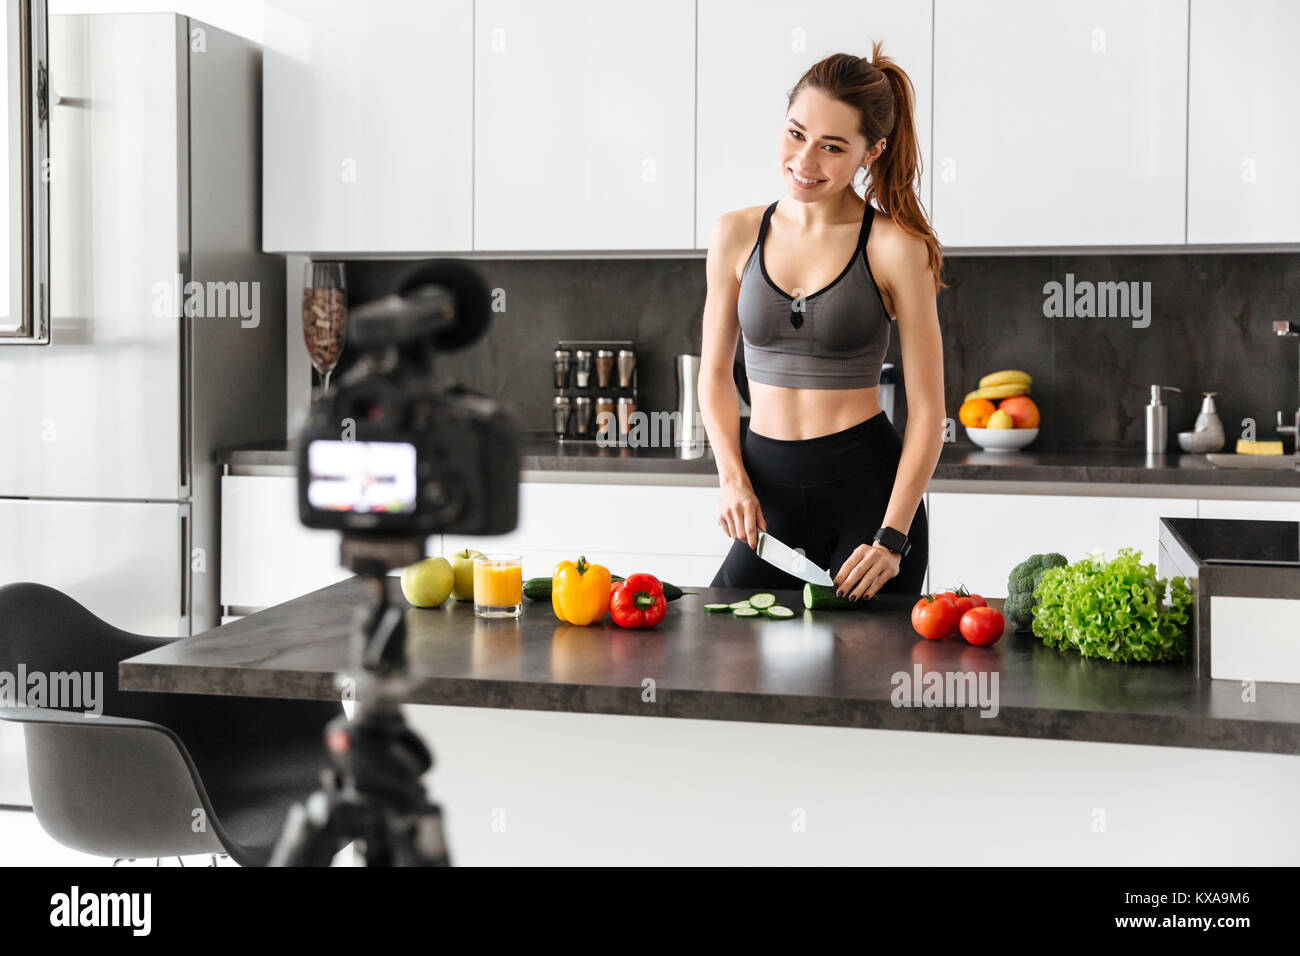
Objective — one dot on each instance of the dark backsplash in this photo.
(1210, 330)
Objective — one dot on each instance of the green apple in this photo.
(462, 564)
(428, 583)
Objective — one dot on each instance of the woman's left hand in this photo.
(866, 571)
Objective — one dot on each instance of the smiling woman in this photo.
(821, 466)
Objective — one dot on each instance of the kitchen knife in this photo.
(791, 561)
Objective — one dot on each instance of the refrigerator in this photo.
(166, 326)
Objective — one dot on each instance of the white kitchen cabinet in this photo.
(267, 556)
(1248, 510)
(1243, 124)
(584, 132)
(1061, 123)
(367, 126)
(976, 539)
(668, 531)
(750, 55)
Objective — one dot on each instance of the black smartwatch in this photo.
(894, 541)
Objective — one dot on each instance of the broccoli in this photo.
(1024, 579)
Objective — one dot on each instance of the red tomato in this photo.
(934, 617)
(964, 600)
(982, 626)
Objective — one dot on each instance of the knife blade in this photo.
(782, 556)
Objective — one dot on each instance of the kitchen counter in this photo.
(830, 669)
(960, 465)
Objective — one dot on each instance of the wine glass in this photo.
(324, 316)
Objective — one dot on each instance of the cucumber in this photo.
(745, 612)
(739, 604)
(819, 597)
(539, 589)
(778, 611)
(717, 608)
(762, 600)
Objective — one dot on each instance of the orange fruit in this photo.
(1022, 410)
(975, 413)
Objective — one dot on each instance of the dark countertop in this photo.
(959, 462)
(827, 669)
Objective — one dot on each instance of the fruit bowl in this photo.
(1002, 439)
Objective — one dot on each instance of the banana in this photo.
(1007, 377)
(998, 391)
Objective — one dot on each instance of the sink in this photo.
(1272, 462)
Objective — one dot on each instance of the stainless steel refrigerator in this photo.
(166, 323)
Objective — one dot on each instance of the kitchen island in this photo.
(801, 740)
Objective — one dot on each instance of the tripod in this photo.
(371, 793)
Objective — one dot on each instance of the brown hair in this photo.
(883, 96)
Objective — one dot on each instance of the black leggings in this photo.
(826, 495)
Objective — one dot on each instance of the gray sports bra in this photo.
(837, 340)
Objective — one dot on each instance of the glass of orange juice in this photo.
(498, 585)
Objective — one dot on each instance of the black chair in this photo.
(157, 774)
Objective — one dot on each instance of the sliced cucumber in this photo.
(762, 600)
(745, 612)
(737, 604)
(778, 610)
(717, 608)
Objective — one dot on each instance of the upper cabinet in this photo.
(1243, 122)
(1062, 123)
(750, 55)
(367, 126)
(572, 126)
(585, 128)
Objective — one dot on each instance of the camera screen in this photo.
(364, 477)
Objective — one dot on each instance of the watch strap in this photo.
(894, 540)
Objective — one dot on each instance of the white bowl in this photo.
(1002, 439)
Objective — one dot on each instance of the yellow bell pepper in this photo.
(580, 592)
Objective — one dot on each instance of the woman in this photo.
(821, 468)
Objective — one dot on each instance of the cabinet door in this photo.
(750, 54)
(1060, 123)
(367, 126)
(584, 125)
(976, 539)
(267, 556)
(1243, 124)
(668, 531)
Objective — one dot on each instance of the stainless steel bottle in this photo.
(690, 426)
(1158, 421)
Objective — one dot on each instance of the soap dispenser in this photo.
(1158, 421)
(1207, 435)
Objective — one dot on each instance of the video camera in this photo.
(390, 458)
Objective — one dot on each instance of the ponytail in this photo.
(885, 100)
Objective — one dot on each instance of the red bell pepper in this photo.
(638, 602)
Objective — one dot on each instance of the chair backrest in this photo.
(45, 631)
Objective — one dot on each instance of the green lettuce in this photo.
(1113, 610)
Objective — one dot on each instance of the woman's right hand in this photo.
(739, 512)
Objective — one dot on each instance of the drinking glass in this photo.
(324, 316)
(498, 585)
